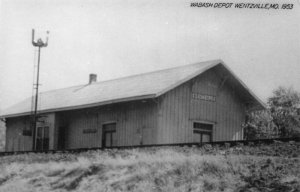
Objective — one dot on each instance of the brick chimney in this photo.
(93, 78)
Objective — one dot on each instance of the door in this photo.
(109, 135)
(42, 139)
(202, 132)
(61, 137)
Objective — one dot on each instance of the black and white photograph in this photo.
(148, 95)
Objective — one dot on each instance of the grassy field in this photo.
(274, 167)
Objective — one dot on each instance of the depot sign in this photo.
(199, 96)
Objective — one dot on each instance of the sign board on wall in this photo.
(199, 96)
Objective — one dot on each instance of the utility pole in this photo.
(40, 44)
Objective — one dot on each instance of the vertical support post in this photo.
(39, 43)
(36, 101)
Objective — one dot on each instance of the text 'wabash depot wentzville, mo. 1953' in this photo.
(267, 6)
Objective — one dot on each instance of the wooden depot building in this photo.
(194, 103)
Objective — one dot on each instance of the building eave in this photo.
(83, 106)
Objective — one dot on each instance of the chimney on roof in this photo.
(93, 78)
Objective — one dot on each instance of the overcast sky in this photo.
(124, 37)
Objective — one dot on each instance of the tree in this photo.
(259, 125)
(284, 110)
(280, 119)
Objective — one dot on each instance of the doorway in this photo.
(61, 137)
(109, 135)
(42, 139)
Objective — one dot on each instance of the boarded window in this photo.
(202, 132)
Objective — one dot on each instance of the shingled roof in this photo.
(143, 86)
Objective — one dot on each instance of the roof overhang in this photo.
(151, 96)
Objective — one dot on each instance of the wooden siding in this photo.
(136, 123)
(226, 113)
(167, 119)
(15, 141)
(178, 110)
(173, 115)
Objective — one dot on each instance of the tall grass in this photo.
(162, 169)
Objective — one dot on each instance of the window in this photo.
(26, 132)
(27, 125)
(42, 139)
(202, 132)
(109, 135)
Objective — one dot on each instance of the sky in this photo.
(124, 37)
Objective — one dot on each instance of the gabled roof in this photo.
(143, 86)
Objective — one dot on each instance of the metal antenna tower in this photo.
(40, 44)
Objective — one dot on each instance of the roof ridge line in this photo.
(130, 76)
(150, 72)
